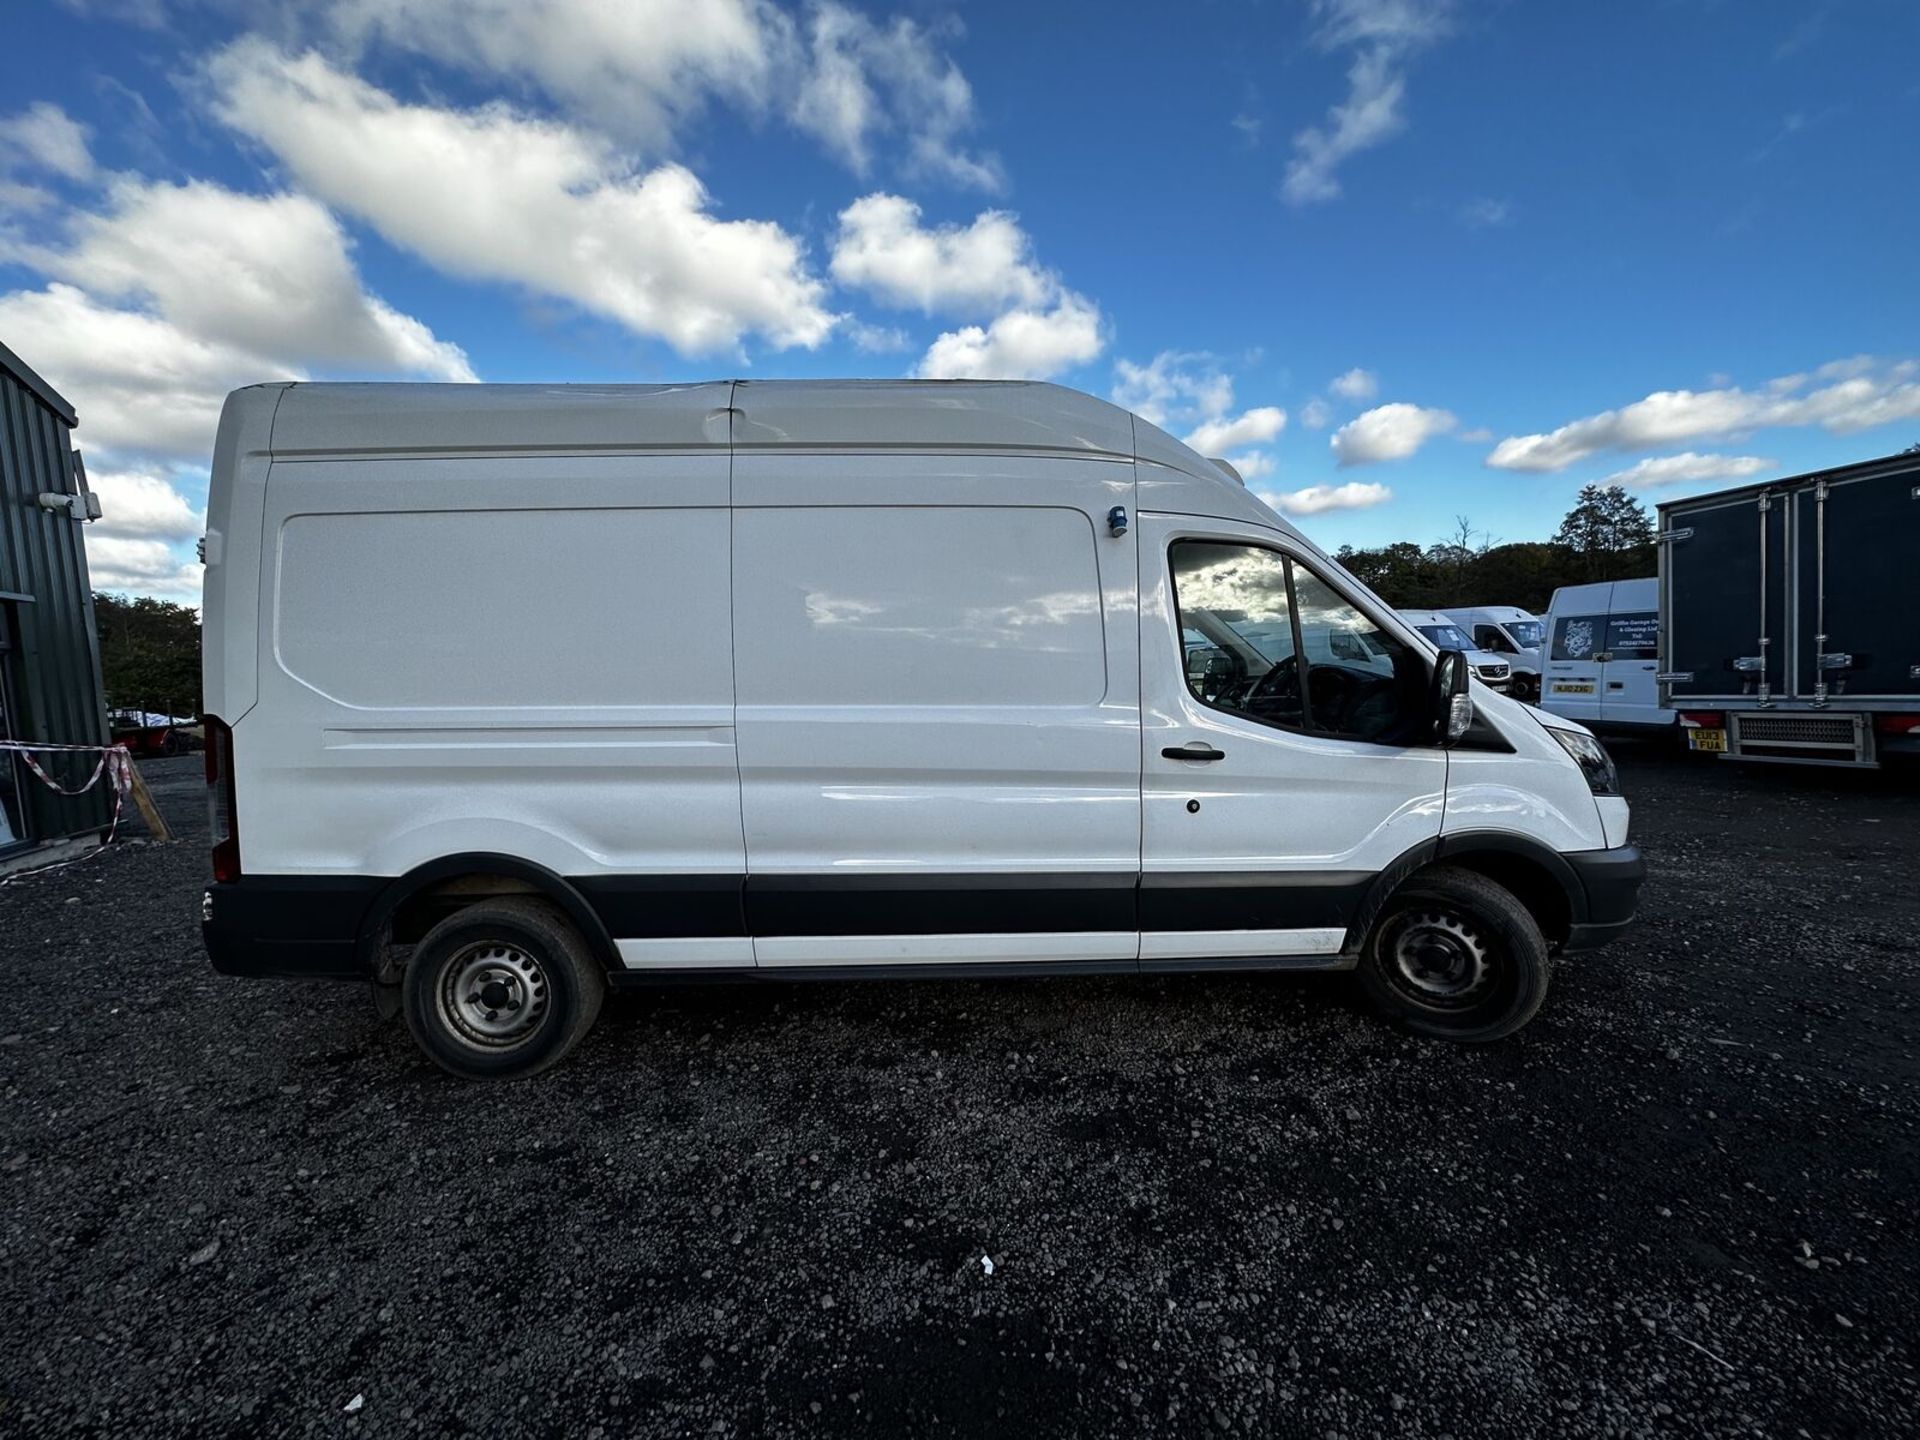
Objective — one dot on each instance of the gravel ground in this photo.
(1682, 1202)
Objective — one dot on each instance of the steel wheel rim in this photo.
(1439, 959)
(493, 995)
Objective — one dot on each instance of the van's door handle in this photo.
(1198, 750)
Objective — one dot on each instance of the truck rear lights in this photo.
(1703, 720)
(1897, 724)
(222, 817)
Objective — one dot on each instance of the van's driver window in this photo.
(1248, 618)
(1237, 624)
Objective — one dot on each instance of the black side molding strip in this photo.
(980, 970)
(939, 904)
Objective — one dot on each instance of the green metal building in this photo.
(50, 691)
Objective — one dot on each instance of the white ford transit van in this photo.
(519, 692)
(1513, 634)
(1603, 657)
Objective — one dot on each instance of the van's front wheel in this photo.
(1457, 957)
(503, 988)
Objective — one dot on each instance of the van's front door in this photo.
(1278, 774)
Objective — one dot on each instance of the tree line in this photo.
(1606, 536)
(149, 654)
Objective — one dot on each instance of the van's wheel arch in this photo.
(1456, 956)
(501, 988)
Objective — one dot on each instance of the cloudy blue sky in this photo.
(1401, 260)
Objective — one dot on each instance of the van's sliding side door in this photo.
(938, 708)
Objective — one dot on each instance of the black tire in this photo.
(520, 955)
(1456, 957)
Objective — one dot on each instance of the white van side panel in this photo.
(527, 656)
(941, 688)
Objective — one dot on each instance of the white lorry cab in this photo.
(521, 692)
(1515, 635)
(1603, 649)
(1489, 669)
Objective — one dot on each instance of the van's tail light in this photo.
(1703, 719)
(1896, 724)
(222, 820)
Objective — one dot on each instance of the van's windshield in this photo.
(1447, 637)
(1527, 634)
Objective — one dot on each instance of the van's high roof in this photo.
(315, 419)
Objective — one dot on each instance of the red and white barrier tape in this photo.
(115, 763)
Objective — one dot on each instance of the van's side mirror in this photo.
(1452, 705)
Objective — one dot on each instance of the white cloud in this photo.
(1019, 345)
(1251, 427)
(882, 247)
(1677, 469)
(863, 79)
(1356, 385)
(638, 68)
(141, 384)
(497, 195)
(1315, 499)
(1387, 432)
(140, 567)
(45, 137)
(1383, 34)
(1316, 414)
(1368, 116)
(642, 70)
(1191, 390)
(169, 296)
(266, 274)
(1859, 394)
(142, 505)
(1174, 386)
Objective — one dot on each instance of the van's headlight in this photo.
(1592, 758)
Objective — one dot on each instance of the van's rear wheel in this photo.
(1457, 957)
(500, 989)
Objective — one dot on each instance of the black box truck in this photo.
(1790, 616)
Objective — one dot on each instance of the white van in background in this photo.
(519, 692)
(1491, 670)
(1603, 656)
(1513, 634)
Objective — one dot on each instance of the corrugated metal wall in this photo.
(56, 664)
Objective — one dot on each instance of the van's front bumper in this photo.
(298, 927)
(1611, 881)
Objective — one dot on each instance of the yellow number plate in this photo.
(1714, 740)
(1562, 687)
